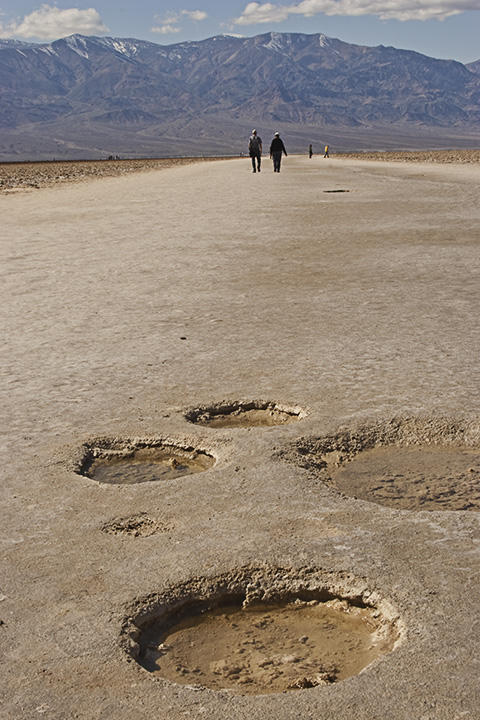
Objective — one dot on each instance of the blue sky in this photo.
(440, 28)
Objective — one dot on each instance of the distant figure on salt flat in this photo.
(310, 151)
(276, 149)
(255, 150)
(326, 151)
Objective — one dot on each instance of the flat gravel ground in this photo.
(465, 157)
(35, 175)
(347, 290)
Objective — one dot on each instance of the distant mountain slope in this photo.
(7, 43)
(474, 66)
(89, 94)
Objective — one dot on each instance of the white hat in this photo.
(276, 133)
(253, 132)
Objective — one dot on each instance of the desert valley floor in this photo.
(240, 411)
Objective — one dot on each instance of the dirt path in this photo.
(129, 301)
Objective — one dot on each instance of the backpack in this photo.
(254, 144)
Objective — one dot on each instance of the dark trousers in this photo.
(259, 160)
(277, 159)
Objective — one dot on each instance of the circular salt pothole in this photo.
(129, 462)
(244, 414)
(259, 631)
(414, 478)
(407, 464)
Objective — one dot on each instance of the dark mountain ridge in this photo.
(88, 95)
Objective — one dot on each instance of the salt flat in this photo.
(128, 301)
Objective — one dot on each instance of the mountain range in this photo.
(92, 96)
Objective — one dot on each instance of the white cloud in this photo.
(196, 15)
(50, 23)
(166, 29)
(255, 12)
(170, 17)
(170, 22)
(167, 24)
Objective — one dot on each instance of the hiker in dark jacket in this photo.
(276, 149)
(255, 150)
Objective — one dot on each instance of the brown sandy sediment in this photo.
(35, 175)
(266, 649)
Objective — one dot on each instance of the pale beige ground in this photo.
(356, 307)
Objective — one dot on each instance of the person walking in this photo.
(326, 152)
(255, 150)
(276, 149)
(310, 151)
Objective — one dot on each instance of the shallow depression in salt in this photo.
(276, 633)
(414, 478)
(129, 463)
(240, 414)
(265, 648)
(406, 463)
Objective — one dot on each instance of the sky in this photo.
(440, 28)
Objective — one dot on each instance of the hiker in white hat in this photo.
(276, 149)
